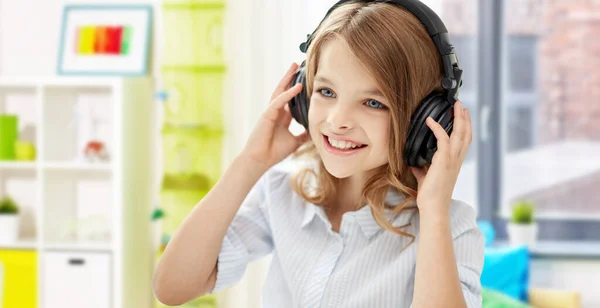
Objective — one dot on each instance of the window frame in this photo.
(492, 53)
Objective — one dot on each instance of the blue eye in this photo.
(326, 92)
(375, 104)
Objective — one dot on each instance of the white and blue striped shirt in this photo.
(313, 266)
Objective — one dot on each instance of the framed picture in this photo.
(105, 40)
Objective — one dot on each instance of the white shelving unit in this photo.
(88, 222)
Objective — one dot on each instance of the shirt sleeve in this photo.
(247, 238)
(469, 243)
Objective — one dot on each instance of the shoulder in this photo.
(277, 181)
(276, 178)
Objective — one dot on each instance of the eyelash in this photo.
(381, 105)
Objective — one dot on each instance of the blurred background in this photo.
(117, 117)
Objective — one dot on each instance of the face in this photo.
(348, 117)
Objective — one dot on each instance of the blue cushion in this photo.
(488, 232)
(506, 269)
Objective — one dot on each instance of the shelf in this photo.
(76, 166)
(79, 246)
(21, 244)
(17, 165)
(67, 166)
(72, 209)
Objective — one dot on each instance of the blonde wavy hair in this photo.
(398, 52)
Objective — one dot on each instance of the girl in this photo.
(358, 227)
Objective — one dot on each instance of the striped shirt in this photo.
(312, 266)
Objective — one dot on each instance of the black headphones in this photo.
(421, 144)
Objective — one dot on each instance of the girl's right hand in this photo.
(271, 141)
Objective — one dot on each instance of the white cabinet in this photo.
(74, 280)
(88, 221)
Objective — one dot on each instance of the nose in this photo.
(340, 117)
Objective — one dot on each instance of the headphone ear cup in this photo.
(421, 143)
(299, 104)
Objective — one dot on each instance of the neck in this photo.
(349, 193)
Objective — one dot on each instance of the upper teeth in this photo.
(342, 144)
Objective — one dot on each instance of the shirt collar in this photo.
(364, 216)
(309, 214)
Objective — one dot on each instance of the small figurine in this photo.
(95, 151)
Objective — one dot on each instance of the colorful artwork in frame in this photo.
(105, 40)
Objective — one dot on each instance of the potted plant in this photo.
(9, 221)
(522, 228)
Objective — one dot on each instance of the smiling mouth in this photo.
(342, 148)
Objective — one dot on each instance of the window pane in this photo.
(551, 115)
(519, 128)
(521, 61)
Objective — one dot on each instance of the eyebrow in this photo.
(374, 92)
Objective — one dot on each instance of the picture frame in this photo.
(105, 40)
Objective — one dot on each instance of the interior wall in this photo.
(262, 39)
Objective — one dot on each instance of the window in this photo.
(521, 96)
(550, 144)
(522, 56)
(520, 124)
(534, 72)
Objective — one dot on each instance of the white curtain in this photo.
(262, 39)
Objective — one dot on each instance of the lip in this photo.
(342, 139)
(343, 153)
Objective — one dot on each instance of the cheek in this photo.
(314, 120)
(384, 135)
(316, 114)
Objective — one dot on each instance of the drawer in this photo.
(193, 152)
(193, 35)
(20, 279)
(193, 97)
(74, 280)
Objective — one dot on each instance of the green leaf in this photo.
(8, 206)
(522, 212)
(158, 214)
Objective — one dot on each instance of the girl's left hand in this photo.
(436, 183)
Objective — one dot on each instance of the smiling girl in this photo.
(365, 225)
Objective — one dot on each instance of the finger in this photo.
(469, 125)
(468, 134)
(285, 117)
(443, 141)
(274, 109)
(285, 81)
(459, 129)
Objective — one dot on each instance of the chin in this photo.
(340, 172)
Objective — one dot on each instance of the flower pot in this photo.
(522, 234)
(9, 228)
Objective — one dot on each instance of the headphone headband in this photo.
(436, 30)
